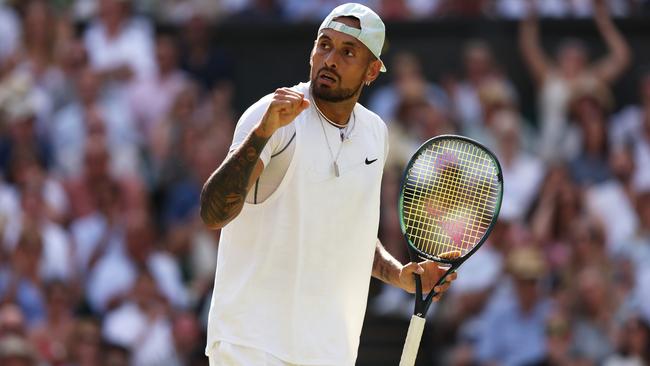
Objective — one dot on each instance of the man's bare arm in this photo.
(223, 194)
(531, 49)
(388, 269)
(610, 68)
(385, 267)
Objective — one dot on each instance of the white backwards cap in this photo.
(372, 32)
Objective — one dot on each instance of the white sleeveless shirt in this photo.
(293, 271)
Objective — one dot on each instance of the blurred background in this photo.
(114, 112)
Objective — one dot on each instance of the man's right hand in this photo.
(285, 106)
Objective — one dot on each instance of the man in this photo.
(296, 257)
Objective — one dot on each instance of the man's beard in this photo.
(333, 95)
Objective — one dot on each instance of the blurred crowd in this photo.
(108, 131)
(106, 137)
(564, 278)
(178, 11)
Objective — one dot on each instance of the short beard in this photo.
(333, 95)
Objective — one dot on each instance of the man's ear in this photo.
(372, 73)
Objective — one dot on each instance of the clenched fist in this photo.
(285, 106)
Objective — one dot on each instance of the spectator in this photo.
(522, 171)
(558, 204)
(206, 63)
(19, 114)
(612, 201)
(92, 112)
(39, 56)
(10, 35)
(187, 338)
(12, 320)
(84, 343)
(141, 324)
(589, 105)
(16, 351)
(408, 85)
(631, 126)
(25, 169)
(119, 46)
(555, 79)
(20, 284)
(519, 339)
(633, 343)
(49, 337)
(33, 218)
(595, 310)
(152, 98)
(116, 273)
(638, 250)
(479, 67)
(559, 340)
(96, 172)
(100, 232)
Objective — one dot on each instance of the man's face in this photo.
(339, 64)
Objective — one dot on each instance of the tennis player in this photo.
(298, 201)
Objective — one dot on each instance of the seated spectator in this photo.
(101, 231)
(20, 284)
(612, 201)
(120, 47)
(479, 67)
(514, 323)
(96, 172)
(633, 343)
(49, 337)
(55, 261)
(205, 62)
(84, 347)
(142, 324)
(18, 113)
(115, 274)
(151, 99)
(39, 56)
(408, 84)
(17, 351)
(90, 113)
(631, 127)
(10, 34)
(594, 311)
(523, 171)
(12, 320)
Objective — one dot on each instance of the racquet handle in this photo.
(412, 344)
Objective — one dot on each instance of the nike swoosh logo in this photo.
(368, 162)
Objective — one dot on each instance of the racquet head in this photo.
(450, 198)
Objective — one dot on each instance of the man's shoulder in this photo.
(371, 119)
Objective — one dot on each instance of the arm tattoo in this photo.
(384, 266)
(223, 194)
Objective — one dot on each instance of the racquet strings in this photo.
(450, 197)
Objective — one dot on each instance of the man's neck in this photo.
(339, 112)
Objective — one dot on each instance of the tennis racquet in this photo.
(449, 202)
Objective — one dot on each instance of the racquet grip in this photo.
(412, 343)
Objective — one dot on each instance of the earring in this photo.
(367, 83)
